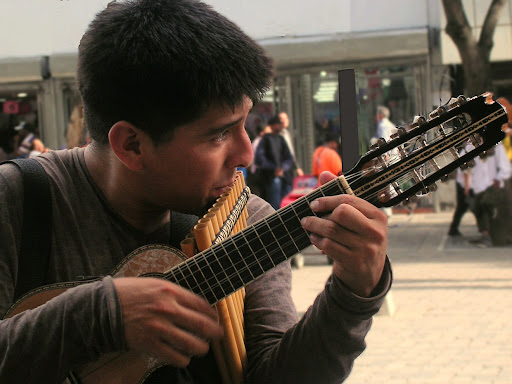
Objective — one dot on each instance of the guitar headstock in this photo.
(427, 150)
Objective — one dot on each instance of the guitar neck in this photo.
(240, 259)
(418, 155)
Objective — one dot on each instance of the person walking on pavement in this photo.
(275, 161)
(487, 179)
(288, 138)
(464, 201)
(385, 128)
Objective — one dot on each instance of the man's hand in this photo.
(353, 233)
(165, 320)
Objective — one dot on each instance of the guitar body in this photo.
(112, 368)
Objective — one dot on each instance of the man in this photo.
(487, 179)
(166, 87)
(275, 161)
(385, 128)
(283, 116)
(326, 157)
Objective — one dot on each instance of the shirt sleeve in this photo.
(73, 327)
(320, 347)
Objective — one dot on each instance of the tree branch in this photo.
(491, 20)
(457, 26)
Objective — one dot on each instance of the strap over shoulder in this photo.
(35, 245)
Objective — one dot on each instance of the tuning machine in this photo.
(437, 112)
(379, 143)
(399, 132)
(417, 121)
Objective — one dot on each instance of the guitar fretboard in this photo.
(240, 259)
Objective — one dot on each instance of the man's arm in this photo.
(322, 346)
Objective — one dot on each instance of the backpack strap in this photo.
(181, 224)
(36, 229)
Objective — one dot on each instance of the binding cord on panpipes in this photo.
(226, 217)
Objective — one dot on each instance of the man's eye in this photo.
(221, 136)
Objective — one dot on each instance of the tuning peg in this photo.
(471, 163)
(432, 187)
(483, 155)
(464, 166)
(380, 142)
(437, 112)
(453, 103)
(462, 100)
(399, 132)
(445, 178)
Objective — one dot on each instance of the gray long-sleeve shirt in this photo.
(89, 239)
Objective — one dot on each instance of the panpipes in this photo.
(226, 217)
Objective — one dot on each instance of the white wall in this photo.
(44, 27)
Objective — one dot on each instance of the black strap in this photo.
(36, 231)
(181, 224)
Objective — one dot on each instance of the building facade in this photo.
(401, 56)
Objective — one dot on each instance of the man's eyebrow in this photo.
(225, 126)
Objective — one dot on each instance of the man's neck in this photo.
(120, 187)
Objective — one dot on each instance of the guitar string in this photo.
(258, 260)
(219, 283)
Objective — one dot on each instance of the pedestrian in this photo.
(275, 162)
(288, 138)
(326, 157)
(487, 179)
(464, 198)
(385, 128)
(167, 86)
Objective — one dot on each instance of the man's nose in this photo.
(242, 150)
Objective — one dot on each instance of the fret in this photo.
(192, 281)
(214, 265)
(301, 207)
(202, 264)
(170, 276)
(212, 282)
(281, 237)
(202, 283)
(223, 277)
(259, 251)
(182, 278)
(291, 221)
(248, 253)
(236, 254)
(229, 268)
(243, 272)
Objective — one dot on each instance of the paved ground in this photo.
(449, 314)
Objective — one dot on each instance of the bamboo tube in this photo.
(188, 247)
(230, 353)
(234, 318)
(230, 343)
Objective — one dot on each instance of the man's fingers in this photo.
(328, 204)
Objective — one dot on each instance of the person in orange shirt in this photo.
(326, 157)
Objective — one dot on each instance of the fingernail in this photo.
(314, 205)
(303, 220)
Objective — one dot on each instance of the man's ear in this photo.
(126, 142)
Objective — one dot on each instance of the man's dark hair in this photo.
(160, 64)
(331, 137)
(274, 120)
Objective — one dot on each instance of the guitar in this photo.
(408, 164)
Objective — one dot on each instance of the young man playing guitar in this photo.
(166, 87)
